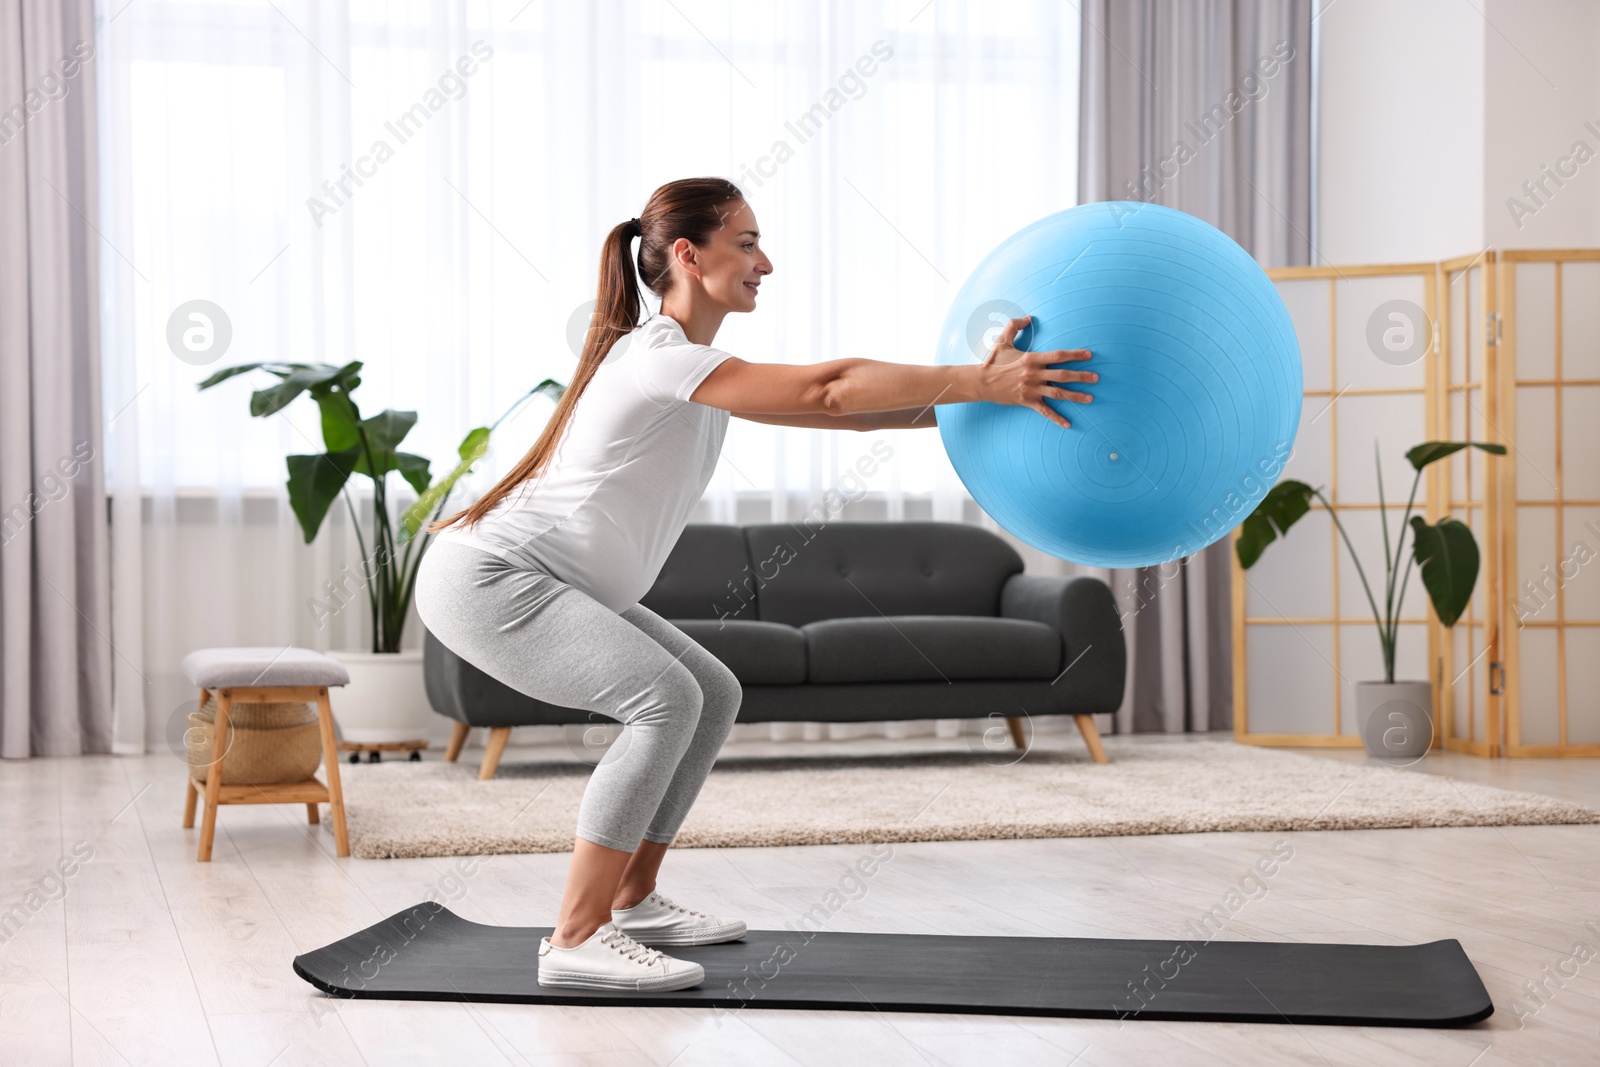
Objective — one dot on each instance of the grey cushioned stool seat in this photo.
(264, 674)
(262, 665)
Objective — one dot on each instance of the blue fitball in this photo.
(1198, 401)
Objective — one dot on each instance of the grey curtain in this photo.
(55, 599)
(1204, 106)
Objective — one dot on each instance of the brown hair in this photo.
(693, 208)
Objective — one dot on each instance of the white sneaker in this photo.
(656, 920)
(610, 959)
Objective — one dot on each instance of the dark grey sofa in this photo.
(853, 621)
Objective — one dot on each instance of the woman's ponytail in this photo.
(616, 304)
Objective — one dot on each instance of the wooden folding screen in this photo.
(1548, 311)
(1303, 630)
(1498, 346)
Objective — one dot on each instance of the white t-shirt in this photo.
(631, 465)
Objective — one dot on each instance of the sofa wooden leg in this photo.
(1014, 724)
(458, 740)
(1091, 737)
(498, 736)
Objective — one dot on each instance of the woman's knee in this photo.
(722, 691)
(675, 695)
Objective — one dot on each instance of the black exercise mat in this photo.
(430, 953)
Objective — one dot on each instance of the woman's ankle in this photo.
(630, 897)
(575, 932)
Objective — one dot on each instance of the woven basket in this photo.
(272, 743)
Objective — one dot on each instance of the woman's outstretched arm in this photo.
(843, 388)
(903, 419)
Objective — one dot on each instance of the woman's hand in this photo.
(1011, 376)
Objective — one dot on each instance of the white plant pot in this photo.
(385, 700)
(1396, 719)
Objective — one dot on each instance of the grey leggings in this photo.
(554, 642)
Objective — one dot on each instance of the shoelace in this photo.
(631, 948)
(674, 904)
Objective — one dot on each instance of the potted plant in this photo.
(1395, 718)
(385, 700)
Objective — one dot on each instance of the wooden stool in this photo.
(266, 675)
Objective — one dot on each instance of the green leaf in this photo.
(264, 402)
(414, 469)
(283, 370)
(387, 429)
(1280, 509)
(1447, 556)
(383, 431)
(314, 482)
(341, 419)
(473, 446)
(1429, 451)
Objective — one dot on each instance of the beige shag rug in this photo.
(403, 809)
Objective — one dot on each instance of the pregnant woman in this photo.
(537, 584)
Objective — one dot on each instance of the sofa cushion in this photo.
(705, 576)
(758, 653)
(929, 648)
(807, 571)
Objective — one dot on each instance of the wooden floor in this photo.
(150, 957)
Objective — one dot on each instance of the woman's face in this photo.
(732, 263)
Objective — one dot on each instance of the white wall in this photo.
(1432, 115)
(1400, 130)
(1543, 100)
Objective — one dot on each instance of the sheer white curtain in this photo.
(424, 187)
